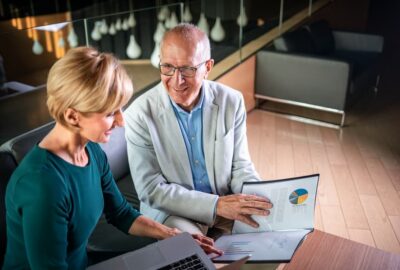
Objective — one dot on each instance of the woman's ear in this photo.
(71, 117)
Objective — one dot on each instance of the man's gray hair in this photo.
(191, 33)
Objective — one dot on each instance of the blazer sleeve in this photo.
(242, 167)
(152, 187)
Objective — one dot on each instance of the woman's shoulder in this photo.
(36, 177)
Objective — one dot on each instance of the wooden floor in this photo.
(359, 190)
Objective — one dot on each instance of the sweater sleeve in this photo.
(116, 208)
(42, 202)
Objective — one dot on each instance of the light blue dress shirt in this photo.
(191, 125)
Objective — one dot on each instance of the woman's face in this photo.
(97, 127)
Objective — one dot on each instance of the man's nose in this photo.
(178, 78)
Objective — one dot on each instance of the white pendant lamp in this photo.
(155, 56)
(163, 14)
(242, 18)
(132, 20)
(61, 42)
(203, 24)
(158, 34)
(173, 20)
(118, 24)
(187, 16)
(111, 30)
(72, 37)
(103, 27)
(133, 50)
(217, 32)
(125, 24)
(96, 35)
(37, 48)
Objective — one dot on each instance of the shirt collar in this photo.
(198, 106)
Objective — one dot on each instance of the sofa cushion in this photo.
(360, 61)
(298, 41)
(322, 37)
(117, 154)
(108, 239)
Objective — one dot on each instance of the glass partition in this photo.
(131, 30)
(260, 16)
(134, 37)
(292, 7)
(29, 53)
(28, 50)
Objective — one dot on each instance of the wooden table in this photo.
(326, 251)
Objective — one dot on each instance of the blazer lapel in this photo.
(172, 131)
(210, 114)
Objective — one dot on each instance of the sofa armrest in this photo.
(349, 41)
(305, 79)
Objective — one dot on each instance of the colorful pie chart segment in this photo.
(298, 196)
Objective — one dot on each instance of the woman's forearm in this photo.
(144, 226)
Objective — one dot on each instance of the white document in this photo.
(261, 247)
(279, 234)
(293, 204)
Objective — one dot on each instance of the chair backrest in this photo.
(322, 37)
(11, 154)
(297, 41)
(14, 150)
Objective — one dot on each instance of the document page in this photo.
(261, 247)
(293, 204)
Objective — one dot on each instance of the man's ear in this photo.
(209, 66)
(71, 117)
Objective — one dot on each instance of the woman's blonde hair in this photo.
(88, 81)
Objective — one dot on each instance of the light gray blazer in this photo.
(159, 161)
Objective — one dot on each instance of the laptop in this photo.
(178, 252)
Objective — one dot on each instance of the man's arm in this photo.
(240, 206)
(150, 183)
(242, 167)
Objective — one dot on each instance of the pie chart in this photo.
(298, 196)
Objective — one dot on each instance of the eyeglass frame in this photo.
(194, 68)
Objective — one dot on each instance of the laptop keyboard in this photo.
(191, 262)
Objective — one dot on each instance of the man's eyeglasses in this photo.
(169, 70)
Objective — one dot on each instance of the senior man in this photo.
(187, 143)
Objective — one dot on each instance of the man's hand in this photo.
(207, 244)
(241, 207)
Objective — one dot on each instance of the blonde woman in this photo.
(59, 191)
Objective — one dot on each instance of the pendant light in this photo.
(133, 50)
(163, 14)
(242, 18)
(72, 37)
(217, 32)
(103, 27)
(37, 48)
(155, 56)
(131, 19)
(111, 30)
(125, 24)
(187, 16)
(173, 20)
(203, 24)
(96, 34)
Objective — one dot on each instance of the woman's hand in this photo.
(207, 244)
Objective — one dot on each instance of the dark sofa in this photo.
(316, 67)
(106, 241)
